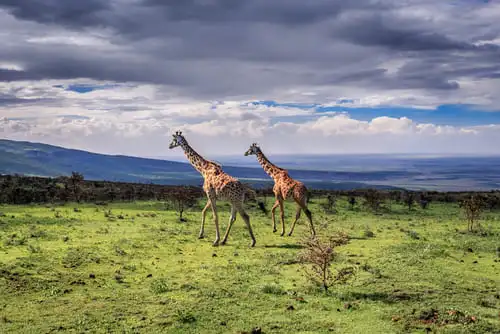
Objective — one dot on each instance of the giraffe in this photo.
(217, 185)
(284, 187)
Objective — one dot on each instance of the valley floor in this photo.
(134, 268)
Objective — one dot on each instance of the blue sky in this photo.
(83, 88)
(446, 114)
(451, 114)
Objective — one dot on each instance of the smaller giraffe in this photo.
(217, 185)
(284, 187)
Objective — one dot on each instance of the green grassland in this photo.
(135, 268)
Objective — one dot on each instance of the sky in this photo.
(297, 77)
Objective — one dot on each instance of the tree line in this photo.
(20, 189)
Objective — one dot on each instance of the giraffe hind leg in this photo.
(231, 221)
(309, 217)
(246, 219)
(297, 216)
(301, 202)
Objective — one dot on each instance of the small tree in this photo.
(424, 204)
(472, 208)
(373, 199)
(409, 199)
(112, 192)
(183, 198)
(424, 201)
(75, 180)
(330, 204)
(318, 256)
(352, 202)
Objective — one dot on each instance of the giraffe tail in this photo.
(251, 194)
(262, 207)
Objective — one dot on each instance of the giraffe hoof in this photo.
(252, 244)
(201, 237)
(215, 244)
(223, 242)
(275, 230)
(282, 234)
(290, 234)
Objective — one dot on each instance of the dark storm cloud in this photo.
(380, 78)
(13, 75)
(383, 31)
(355, 76)
(64, 12)
(290, 12)
(224, 48)
(103, 12)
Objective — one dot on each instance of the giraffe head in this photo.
(178, 140)
(254, 149)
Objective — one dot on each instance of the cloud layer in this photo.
(196, 65)
(139, 121)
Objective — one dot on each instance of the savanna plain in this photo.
(136, 268)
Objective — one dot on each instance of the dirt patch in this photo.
(22, 282)
(401, 296)
(432, 318)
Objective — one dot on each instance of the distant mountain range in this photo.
(27, 158)
(382, 171)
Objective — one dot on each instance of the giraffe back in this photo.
(286, 186)
(225, 186)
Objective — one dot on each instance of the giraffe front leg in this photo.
(203, 215)
(216, 221)
(273, 210)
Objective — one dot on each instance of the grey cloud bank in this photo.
(219, 49)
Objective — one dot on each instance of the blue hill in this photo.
(27, 158)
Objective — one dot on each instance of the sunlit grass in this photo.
(133, 267)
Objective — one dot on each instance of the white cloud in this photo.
(10, 66)
(94, 40)
(96, 121)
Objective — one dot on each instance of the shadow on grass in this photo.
(285, 246)
(384, 297)
(358, 238)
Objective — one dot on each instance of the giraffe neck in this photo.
(196, 160)
(271, 169)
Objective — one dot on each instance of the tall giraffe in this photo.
(217, 185)
(284, 188)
